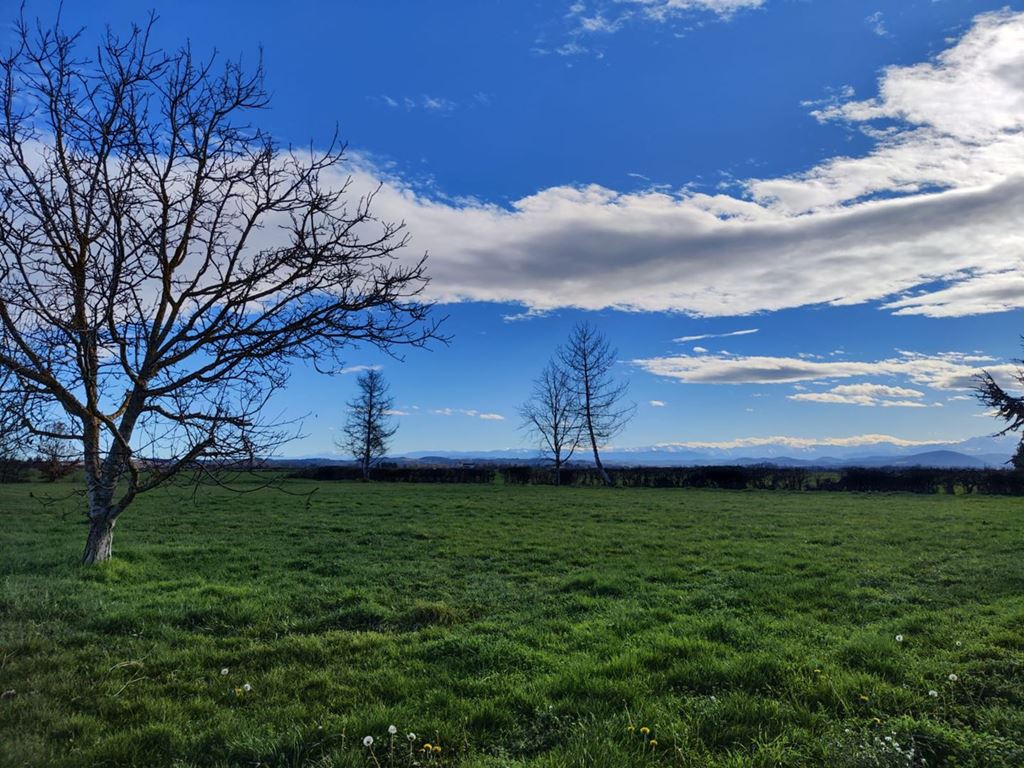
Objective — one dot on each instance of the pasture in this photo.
(514, 626)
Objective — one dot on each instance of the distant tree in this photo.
(163, 262)
(589, 360)
(369, 426)
(1009, 409)
(55, 445)
(553, 417)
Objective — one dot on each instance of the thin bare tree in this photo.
(1008, 408)
(163, 262)
(552, 416)
(369, 425)
(589, 360)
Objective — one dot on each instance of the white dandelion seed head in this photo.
(411, 736)
(933, 693)
(392, 729)
(899, 638)
(958, 643)
(246, 687)
(368, 741)
(224, 671)
(953, 677)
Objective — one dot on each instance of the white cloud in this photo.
(471, 412)
(876, 21)
(359, 368)
(658, 403)
(700, 350)
(931, 219)
(604, 17)
(426, 101)
(946, 371)
(866, 394)
(684, 339)
(802, 442)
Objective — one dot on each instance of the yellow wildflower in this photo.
(645, 730)
(426, 747)
(654, 743)
(437, 748)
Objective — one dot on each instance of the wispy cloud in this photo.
(876, 22)
(945, 371)
(852, 441)
(866, 395)
(471, 412)
(424, 102)
(658, 403)
(359, 368)
(747, 332)
(587, 23)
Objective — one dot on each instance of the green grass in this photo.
(515, 626)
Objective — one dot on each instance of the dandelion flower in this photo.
(952, 677)
(427, 747)
(899, 638)
(246, 687)
(411, 736)
(864, 697)
(224, 671)
(817, 671)
(958, 643)
(645, 730)
(437, 748)
(631, 728)
(368, 741)
(392, 729)
(876, 720)
(654, 743)
(933, 693)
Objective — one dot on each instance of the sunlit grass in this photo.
(516, 626)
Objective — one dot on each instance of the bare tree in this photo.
(163, 262)
(369, 426)
(1008, 408)
(589, 360)
(553, 417)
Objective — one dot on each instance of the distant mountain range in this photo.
(977, 453)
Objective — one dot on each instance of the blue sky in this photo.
(845, 177)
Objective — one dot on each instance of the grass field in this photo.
(516, 626)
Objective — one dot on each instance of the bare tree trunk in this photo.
(597, 460)
(558, 470)
(99, 545)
